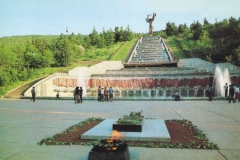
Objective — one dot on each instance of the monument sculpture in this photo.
(150, 20)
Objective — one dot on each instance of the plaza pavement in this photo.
(24, 123)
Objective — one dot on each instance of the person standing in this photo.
(77, 95)
(237, 94)
(57, 96)
(99, 94)
(226, 89)
(102, 95)
(210, 93)
(231, 94)
(229, 87)
(111, 94)
(105, 94)
(33, 94)
(74, 93)
(80, 93)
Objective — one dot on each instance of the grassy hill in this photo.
(176, 47)
(91, 57)
(16, 40)
(123, 50)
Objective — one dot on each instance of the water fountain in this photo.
(220, 79)
(81, 80)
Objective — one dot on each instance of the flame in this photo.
(115, 135)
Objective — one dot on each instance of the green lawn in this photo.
(177, 50)
(123, 50)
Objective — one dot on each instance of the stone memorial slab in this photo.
(153, 130)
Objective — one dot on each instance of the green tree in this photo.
(28, 55)
(72, 38)
(8, 66)
(62, 54)
(87, 42)
(181, 28)
(40, 44)
(236, 56)
(109, 38)
(204, 46)
(196, 29)
(80, 39)
(101, 43)
(205, 39)
(47, 59)
(171, 29)
(95, 38)
(127, 34)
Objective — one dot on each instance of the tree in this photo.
(196, 29)
(101, 43)
(127, 34)
(204, 46)
(109, 38)
(30, 51)
(171, 29)
(236, 56)
(72, 38)
(40, 44)
(205, 22)
(95, 38)
(8, 66)
(181, 28)
(62, 54)
(87, 42)
(79, 39)
(204, 39)
(47, 59)
(118, 34)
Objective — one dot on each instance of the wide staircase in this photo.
(150, 51)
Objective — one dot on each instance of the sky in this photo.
(52, 17)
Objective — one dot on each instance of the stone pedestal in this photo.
(120, 154)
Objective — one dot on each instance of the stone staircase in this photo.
(150, 51)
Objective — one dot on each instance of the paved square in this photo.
(23, 124)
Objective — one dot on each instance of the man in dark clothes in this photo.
(80, 93)
(77, 95)
(210, 93)
(33, 94)
(99, 94)
(226, 89)
(231, 94)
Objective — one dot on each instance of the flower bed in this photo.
(129, 123)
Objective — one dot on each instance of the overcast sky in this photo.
(51, 17)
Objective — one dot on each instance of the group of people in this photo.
(232, 93)
(77, 93)
(104, 94)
